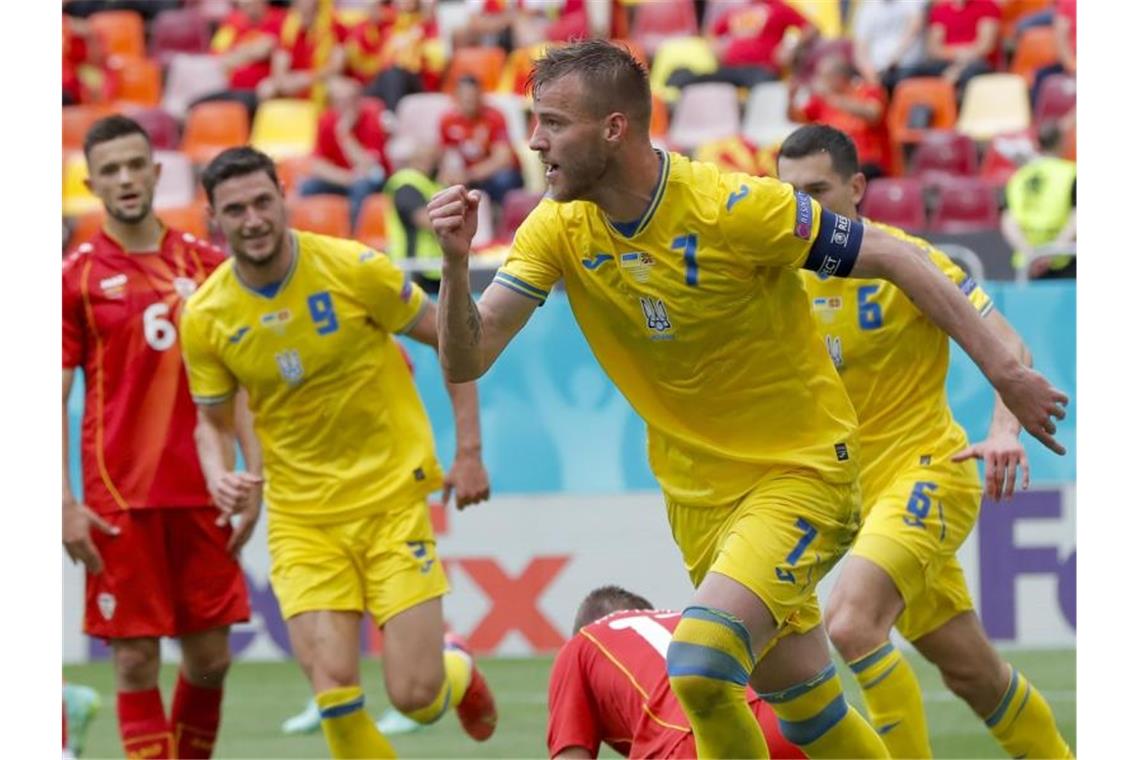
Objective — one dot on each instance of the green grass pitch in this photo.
(260, 695)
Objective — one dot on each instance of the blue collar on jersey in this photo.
(629, 229)
(273, 288)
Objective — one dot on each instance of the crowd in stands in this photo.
(369, 105)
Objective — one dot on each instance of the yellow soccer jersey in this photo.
(697, 314)
(343, 429)
(893, 361)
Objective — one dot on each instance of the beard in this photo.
(130, 217)
(261, 260)
(579, 181)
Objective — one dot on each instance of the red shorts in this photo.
(167, 573)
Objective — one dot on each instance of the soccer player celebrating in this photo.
(921, 492)
(609, 684)
(683, 280)
(159, 561)
(304, 323)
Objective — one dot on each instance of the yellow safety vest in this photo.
(1040, 197)
(427, 247)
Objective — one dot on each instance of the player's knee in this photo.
(136, 664)
(699, 695)
(415, 691)
(207, 669)
(853, 632)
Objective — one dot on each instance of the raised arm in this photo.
(471, 336)
(238, 494)
(468, 476)
(1032, 400)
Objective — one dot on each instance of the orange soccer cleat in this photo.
(476, 711)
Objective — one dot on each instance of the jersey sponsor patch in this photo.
(277, 320)
(803, 216)
(114, 286)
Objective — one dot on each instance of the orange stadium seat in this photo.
(121, 33)
(189, 218)
(484, 63)
(965, 204)
(659, 119)
(1036, 47)
(636, 50)
(934, 92)
(322, 214)
(77, 120)
(138, 81)
(518, 67)
(898, 202)
(1057, 97)
(292, 171)
(372, 225)
(85, 228)
(1013, 11)
(212, 127)
(655, 22)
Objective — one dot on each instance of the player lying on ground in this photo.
(608, 684)
(683, 280)
(159, 561)
(921, 492)
(305, 323)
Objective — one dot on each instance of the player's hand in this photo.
(233, 491)
(1036, 404)
(1003, 454)
(468, 479)
(454, 218)
(77, 521)
(245, 520)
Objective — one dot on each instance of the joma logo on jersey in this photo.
(656, 317)
(289, 365)
(597, 260)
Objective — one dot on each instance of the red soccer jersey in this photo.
(609, 684)
(473, 138)
(754, 32)
(237, 30)
(368, 131)
(961, 25)
(871, 138)
(120, 317)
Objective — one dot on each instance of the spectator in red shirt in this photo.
(349, 157)
(750, 44)
(244, 44)
(395, 48)
(309, 51)
(962, 40)
(838, 98)
(477, 132)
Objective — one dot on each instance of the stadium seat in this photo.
(516, 205)
(714, 9)
(518, 67)
(85, 227)
(943, 153)
(1004, 154)
(965, 204)
(285, 127)
(766, 114)
(190, 218)
(77, 120)
(1013, 11)
(372, 225)
(898, 202)
(826, 15)
(138, 81)
(161, 127)
(484, 63)
(992, 104)
(704, 112)
(121, 33)
(693, 53)
(176, 184)
(179, 30)
(292, 171)
(1056, 98)
(322, 214)
(212, 10)
(417, 123)
(635, 49)
(77, 199)
(1069, 143)
(659, 118)
(1036, 47)
(656, 22)
(189, 77)
(934, 93)
(212, 127)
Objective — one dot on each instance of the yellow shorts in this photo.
(779, 540)
(383, 564)
(912, 531)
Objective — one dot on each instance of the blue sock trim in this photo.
(792, 692)
(685, 659)
(727, 619)
(339, 711)
(804, 732)
(999, 713)
(880, 677)
(858, 666)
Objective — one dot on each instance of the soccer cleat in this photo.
(393, 722)
(305, 722)
(476, 711)
(82, 704)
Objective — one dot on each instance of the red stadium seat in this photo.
(1004, 154)
(655, 22)
(161, 127)
(121, 33)
(213, 126)
(965, 204)
(483, 63)
(77, 120)
(178, 31)
(1036, 47)
(898, 202)
(1057, 97)
(943, 153)
(322, 214)
(516, 205)
(138, 81)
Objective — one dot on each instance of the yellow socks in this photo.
(348, 728)
(894, 701)
(1024, 725)
(815, 716)
(710, 661)
(457, 675)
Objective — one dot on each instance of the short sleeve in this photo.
(970, 287)
(74, 324)
(393, 301)
(210, 381)
(573, 714)
(532, 268)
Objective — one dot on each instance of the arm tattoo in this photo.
(474, 322)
